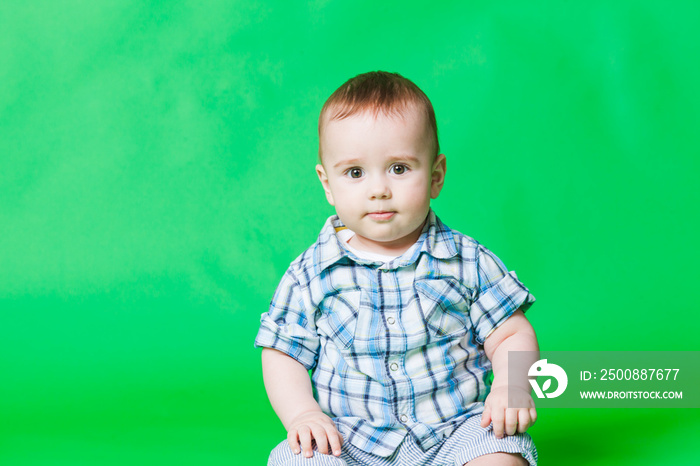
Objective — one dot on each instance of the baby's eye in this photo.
(355, 172)
(399, 169)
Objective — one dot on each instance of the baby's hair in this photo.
(377, 91)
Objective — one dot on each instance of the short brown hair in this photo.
(377, 91)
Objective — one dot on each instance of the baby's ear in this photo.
(438, 175)
(323, 178)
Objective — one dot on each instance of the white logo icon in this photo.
(542, 368)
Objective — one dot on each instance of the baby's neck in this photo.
(373, 247)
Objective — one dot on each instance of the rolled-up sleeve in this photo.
(288, 325)
(499, 294)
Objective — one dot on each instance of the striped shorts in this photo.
(467, 442)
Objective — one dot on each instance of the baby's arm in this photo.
(515, 334)
(289, 388)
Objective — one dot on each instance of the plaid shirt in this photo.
(395, 348)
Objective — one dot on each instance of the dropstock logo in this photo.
(542, 368)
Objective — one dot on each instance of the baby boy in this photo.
(399, 318)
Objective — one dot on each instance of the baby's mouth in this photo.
(381, 215)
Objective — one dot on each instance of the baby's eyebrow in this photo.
(405, 158)
(348, 162)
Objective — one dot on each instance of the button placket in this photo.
(395, 362)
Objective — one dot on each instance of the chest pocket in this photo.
(338, 316)
(444, 308)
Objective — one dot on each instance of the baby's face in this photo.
(380, 175)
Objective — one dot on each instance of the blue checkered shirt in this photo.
(395, 348)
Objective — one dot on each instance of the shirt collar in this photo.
(436, 239)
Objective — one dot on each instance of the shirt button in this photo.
(403, 418)
(391, 321)
(394, 367)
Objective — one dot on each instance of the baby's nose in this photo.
(379, 189)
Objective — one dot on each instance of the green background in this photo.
(157, 178)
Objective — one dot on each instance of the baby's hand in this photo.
(316, 426)
(508, 420)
